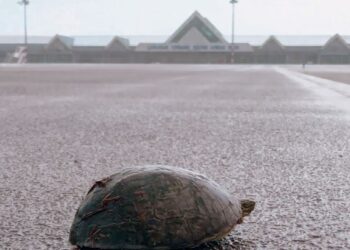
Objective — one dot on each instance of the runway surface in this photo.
(267, 133)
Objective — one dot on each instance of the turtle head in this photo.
(247, 207)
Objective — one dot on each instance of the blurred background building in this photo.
(197, 40)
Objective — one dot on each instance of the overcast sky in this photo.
(162, 17)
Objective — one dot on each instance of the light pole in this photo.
(25, 3)
(233, 2)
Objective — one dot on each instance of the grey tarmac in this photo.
(262, 132)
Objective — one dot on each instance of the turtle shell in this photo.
(154, 207)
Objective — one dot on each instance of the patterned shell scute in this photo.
(154, 207)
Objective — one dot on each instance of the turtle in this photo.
(155, 207)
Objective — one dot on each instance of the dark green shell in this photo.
(154, 207)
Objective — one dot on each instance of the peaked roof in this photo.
(336, 45)
(120, 40)
(203, 25)
(272, 40)
(335, 38)
(65, 40)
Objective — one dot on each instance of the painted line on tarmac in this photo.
(333, 93)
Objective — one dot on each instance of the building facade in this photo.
(197, 40)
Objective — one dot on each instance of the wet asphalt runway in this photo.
(261, 132)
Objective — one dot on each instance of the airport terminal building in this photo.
(197, 40)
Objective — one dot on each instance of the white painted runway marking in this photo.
(333, 93)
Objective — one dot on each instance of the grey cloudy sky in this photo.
(162, 17)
